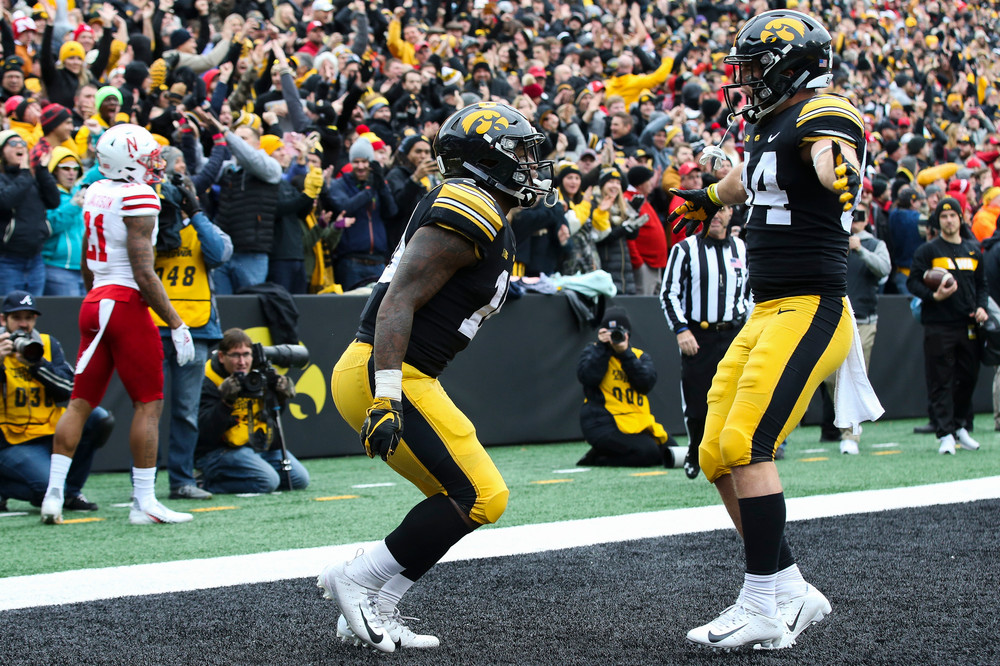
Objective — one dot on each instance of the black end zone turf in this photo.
(913, 587)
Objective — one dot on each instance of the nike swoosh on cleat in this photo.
(715, 638)
(375, 637)
(795, 622)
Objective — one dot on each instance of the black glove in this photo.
(382, 428)
(375, 176)
(698, 209)
(365, 71)
(189, 198)
(637, 201)
(229, 389)
(848, 182)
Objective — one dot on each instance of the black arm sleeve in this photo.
(593, 363)
(640, 370)
(214, 417)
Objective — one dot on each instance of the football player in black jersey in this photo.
(800, 180)
(449, 273)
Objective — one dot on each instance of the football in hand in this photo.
(933, 278)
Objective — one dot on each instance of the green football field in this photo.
(353, 499)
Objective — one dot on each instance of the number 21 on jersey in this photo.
(96, 247)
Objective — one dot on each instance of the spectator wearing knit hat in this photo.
(107, 102)
(614, 223)
(62, 75)
(413, 173)
(62, 250)
(22, 116)
(648, 251)
(12, 78)
(184, 48)
(26, 192)
(364, 195)
(57, 127)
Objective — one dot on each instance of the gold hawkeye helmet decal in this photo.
(782, 29)
(483, 121)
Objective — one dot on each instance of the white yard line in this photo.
(91, 584)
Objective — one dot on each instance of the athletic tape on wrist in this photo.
(712, 192)
(817, 155)
(389, 384)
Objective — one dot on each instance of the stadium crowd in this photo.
(306, 127)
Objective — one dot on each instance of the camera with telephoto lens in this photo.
(262, 375)
(30, 349)
(617, 334)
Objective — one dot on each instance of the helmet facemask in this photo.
(154, 166)
(770, 82)
(532, 177)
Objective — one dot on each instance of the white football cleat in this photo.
(738, 626)
(849, 447)
(946, 445)
(52, 506)
(359, 606)
(401, 634)
(155, 514)
(965, 440)
(800, 612)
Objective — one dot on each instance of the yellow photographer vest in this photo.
(28, 412)
(243, 411)
(629, 408)
(185, 278)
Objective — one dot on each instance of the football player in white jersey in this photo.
(117, 332)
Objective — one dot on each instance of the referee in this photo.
(704, 298)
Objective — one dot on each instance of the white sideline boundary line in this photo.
(201, 574)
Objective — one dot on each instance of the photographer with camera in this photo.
(36, 376)
(364, 195)
(240, 444)
(615, 416)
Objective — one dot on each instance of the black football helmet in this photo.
(496, 146)
(777, 54)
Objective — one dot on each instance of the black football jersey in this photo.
(797, 231)
(447, 323)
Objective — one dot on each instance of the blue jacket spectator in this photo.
(62, 250)
(362, 194)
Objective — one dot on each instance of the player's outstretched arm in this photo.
(836, 165)
(140, 255)
(700, 206)
(431, 257)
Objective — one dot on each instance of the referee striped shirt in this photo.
(705, 281)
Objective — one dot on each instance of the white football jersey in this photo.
(105, 206)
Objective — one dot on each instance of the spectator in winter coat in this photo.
(62, 250)
(362, 194)
(26, 192)
(248, 200)
(649, 249)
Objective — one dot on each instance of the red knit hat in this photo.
(53, 115)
